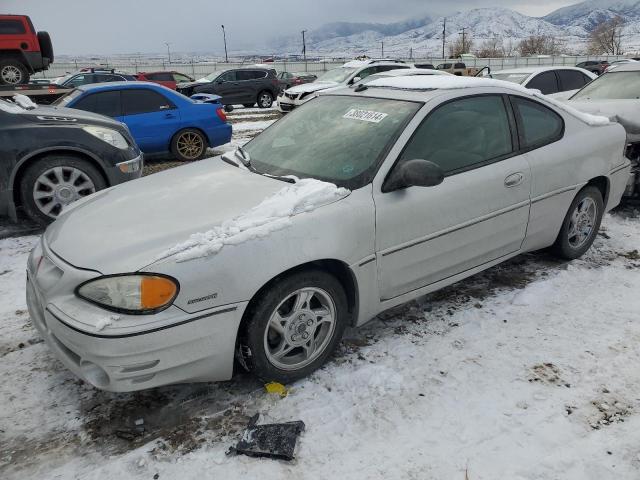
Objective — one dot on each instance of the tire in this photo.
(13, 72)
(54, 181)
(248, 105)
(265, 99)
(587, 209)
(260, 342)
(188, 145)
(46, 47)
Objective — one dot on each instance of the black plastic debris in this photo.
(274, 440)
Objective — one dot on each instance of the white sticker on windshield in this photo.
(366, 115)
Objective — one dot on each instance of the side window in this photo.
(12, 27)
(228, 76)
(462, 133)
(82, 79)
(258, 74)
(108, 78)
(135, 101)
(104, 103)
(459, 65)
(242, 75)
(537, 124)
(546, 82)
(178, 77)
(366, 72)
(572, 79)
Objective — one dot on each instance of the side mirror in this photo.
(228, 108)
(414, 173)
(355, 80)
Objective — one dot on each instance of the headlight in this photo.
(135, 294)
(112, 137)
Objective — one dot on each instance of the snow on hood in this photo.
(312, 87)
(272, 214)
(355, 64)
(626, 112)
(9, 107)
(24, 101)
(434, 82)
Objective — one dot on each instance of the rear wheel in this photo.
(13, 72)
(295, 326)
(265, 99)
(188, 145)
(581, 224)
(54, 182)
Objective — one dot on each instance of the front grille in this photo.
(286, 107)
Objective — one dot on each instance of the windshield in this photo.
(338, 139)
(212, 76)
(511, 77)
(66, 100)
(337, 75)
(611, 86)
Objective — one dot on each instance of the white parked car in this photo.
(549, 80)
(348, 74)
(354, 203)
(619, 63)
(402, 72)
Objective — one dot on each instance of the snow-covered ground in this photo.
(530, 370)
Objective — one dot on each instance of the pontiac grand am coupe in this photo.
(358, 201)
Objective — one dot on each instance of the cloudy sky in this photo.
(131, 26)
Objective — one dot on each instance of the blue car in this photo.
(160, 120)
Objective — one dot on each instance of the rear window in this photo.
(12, 27)
(538, 124)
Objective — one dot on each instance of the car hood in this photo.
(57, 115)
(125, 228)
(625, 112)
(192, 84)
(312, 87)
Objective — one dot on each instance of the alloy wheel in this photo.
(60, 186)
(11, 75)
(190, 145)
(583, 220)
(265, 100)
(300, 328)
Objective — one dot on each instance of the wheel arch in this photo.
(28, 160)
(337, 268)
(603, 184)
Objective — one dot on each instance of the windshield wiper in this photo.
(245, 160)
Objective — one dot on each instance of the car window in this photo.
(462, 133)
(460, 65)
(366, 72)
(546, 82)
(572, 79)
(228, 76)
(78, 80)
(537, 124)
(103, 77)
(257, 74)
(242, 75)
(104, 103)
(386, 68)
(11, 27)
(139, 100)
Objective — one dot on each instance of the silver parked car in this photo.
(354, 203)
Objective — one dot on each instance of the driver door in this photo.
(477, 215)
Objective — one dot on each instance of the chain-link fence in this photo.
(201, 69)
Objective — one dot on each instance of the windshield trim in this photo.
(366, 177)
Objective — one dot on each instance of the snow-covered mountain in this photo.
(423, 37)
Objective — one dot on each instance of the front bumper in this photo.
(133, 352)
(286, 102)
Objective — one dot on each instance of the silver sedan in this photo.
(358, 201)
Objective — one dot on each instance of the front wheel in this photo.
(295, 326)
(581, 224)
(265, 99)
(13, 72)
(188, 145)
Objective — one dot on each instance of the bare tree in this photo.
(508, 48)
(606, 37)
(463, 44)
(491, 48)
(540, 45)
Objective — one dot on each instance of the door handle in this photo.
(169, 115)
(513, 180)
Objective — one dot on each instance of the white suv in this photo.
(347, 74)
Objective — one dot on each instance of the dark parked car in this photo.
(290, 79)
(595, 66)
(241, 86)
(92, 75)
(159, 119)
(50, 157)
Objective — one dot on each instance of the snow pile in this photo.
(24, 101)
(425, 82)
(9, 107)
(107, 321)
(272, 214)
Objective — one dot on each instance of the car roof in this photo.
(542, 68)
(121, 86)
(405, 72)
(627, 67)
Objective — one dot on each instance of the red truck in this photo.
(23, 51)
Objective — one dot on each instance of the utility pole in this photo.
(304, 49)
(410, 53)
(444, 36)
(224, 36)
(382, 47)
(464, 45)
(168, 51)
